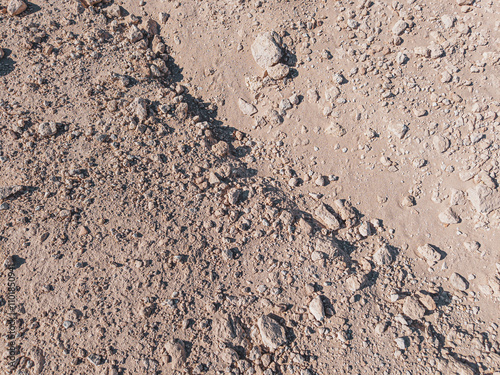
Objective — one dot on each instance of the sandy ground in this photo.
(250, 187)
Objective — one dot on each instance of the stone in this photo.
(9, 262)
(177, 352)
(163, 17)
(47, 129)
(457, 198)
(399, 27)
(278, 71)
(16, 7)
(382, 256)
(465, 2)
(429, 253)
(413, 309)
(484, 199)
(398, 129)
(449, 216)
(335, 129)
(246, 108)
(114, 11)
(441, 143)
(427, 301)
(8, 191)
(221, 149)
(356, 282)
(436, 51)
(2, 53)
(401, 342)
(317, 309)
(472, 246)
(139, 108)
(272, 333)
(448, 21)
(134, 34)
(459, 282)
(326, 217)
(266, 49)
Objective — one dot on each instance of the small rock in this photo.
(82, 231)
(2, 53)
(16, 7)
(9, 262)
(317, 309)
(459, 282)
(484, 199)
(472, 246)
(441, 144)
(272, 333)
(335, 129)
(398, 129)
(449, 216)
(429, 254)
(246, 108)
(382, 256)
(413, 309)
(163, 17)
(47, 129)
(266, 50)
(278, 71)
(177, 352)
(96, 359)
(427, 301)
(321, 181)
(399, 27)
(8, 191)
(448, 21)
(327, 218)
(356, 282)
(401, 343)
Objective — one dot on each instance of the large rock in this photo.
(266, 49)
(484, 199)
(272, 333)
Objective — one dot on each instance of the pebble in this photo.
(449, 216)
(399, 27)
(317, 309)
(278, 71)
(2, 53)
(401, 343)
(16, 7)
(459, 282)
(9, 262)
(326, 217)
(8, 191)
(484, 199)
(413, 309)
(382, 256)
(398, 129)
(177, 352)
(272, 333)
(266, 49)
(47, 129)
(441, 143)
(321, 181)
(429, 254)
(246, 108)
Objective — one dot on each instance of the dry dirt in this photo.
(250, 187)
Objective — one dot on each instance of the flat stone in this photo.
(246, 108)
(16, 7)
(266, 50)
(317, 309)
(272, 333)
(484, 199)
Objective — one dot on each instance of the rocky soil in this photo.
(251, 187)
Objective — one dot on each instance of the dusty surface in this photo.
(251, 187)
